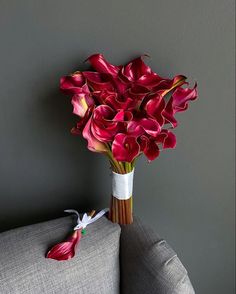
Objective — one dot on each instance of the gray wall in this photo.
(187, 195)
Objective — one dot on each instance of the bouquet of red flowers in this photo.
(126, 111)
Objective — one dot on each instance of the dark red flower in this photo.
(74, 84)
(65, 250)
(178, 102)
(139, 127)
(100, 64)
(125, 147)
(151, 146)
(104, 125)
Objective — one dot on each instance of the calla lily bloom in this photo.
(99, 63)
(182, 96)
(135, 70)
(65, 250)
(151, 146)
(178, 102)
(144, 125)
(93, 144)
(103, 125)
(74, 84)
(125, 147)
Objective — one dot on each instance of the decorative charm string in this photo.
(66, 250)
(122, 185)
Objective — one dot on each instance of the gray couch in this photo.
(110, 260)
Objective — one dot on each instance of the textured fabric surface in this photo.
(149, 265)
(94, 269)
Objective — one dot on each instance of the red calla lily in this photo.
(65, 250)
(103, 123)
(93, 144)
(125, 147)
(74, 84)
(144, 125)
(100, 64)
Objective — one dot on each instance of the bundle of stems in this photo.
(121, 211)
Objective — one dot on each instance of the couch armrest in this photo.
(149, 265)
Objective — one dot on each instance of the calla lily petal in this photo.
(100, 64)
(168, 114)
(81, 103)
(155, 107)
(97, 81)
(182, 96)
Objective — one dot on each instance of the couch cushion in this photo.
(149, 265)
(94, 269)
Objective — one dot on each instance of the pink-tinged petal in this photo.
(182, 96)
(125, 148)
(74, 84)
(93, 144)
(155, 107)
(65, 250)
(81, 103)
(100, 64)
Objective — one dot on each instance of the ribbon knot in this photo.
(86, 219)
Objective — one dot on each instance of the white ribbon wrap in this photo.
(86, 219)
(122, 185)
